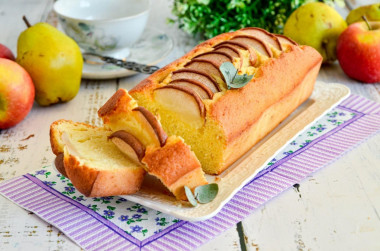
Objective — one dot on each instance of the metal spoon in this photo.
(93, 58)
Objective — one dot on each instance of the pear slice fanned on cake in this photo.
(198, 76)
(206, 66)
(183, 102)
(255, 43)
(232, 51)
(150, 122)
(240, 46)
(228, 49)
(129, 145)
(135, 120)
(203, 91)
(216, 56)
(285, 40)
(264, 36)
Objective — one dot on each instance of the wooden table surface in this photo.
(337, 208)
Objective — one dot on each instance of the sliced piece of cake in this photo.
(168, 159)
(95, 166)
(175, 165)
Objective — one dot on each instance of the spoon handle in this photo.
(133, 66)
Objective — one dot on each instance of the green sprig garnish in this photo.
(233, 80)
(202, 194)
(209, 18)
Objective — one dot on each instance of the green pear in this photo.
(54, 62)
(372, 13)
(317, 25)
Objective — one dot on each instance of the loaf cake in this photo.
(139, 135)
(220, 124)
(185, 117)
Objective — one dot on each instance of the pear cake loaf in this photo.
(192, 99)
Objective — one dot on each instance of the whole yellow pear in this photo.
(317, 25)
(372, 13)
(54, 62)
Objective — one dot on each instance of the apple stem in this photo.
(26, 21)
(366, 21)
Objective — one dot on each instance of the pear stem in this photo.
(366, 21)
(26, 21)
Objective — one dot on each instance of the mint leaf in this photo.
(229, 72)
(207, 193)
(233, 80)
(190, 196)
(240, 81)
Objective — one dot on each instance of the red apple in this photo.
(6, 53)
(358, 51)
(16, 93)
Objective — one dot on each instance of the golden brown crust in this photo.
(59, 165)
(269, 119)
(171, 161)
(81, 176)
(119, 102)
(175, 165)
(99, 183)
(192, 180)
(55, 138)
(118, 182)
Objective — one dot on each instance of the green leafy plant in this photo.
(202, 194)
(212, 17)
(233, 80)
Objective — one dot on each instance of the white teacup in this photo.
(103, 26)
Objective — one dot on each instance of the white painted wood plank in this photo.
(228, 240)
(336, 208)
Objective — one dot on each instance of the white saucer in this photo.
(151, 48)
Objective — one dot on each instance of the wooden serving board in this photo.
(154, 195)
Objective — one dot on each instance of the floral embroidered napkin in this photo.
(113, 223)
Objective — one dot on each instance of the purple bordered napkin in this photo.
(113, 223)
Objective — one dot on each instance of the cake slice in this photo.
(171, 160)
(95, 166)
(175, 165)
